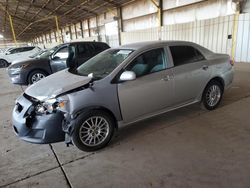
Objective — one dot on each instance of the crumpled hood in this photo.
(56, 84)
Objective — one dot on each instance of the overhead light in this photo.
(1, 36)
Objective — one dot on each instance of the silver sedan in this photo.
(122, 85)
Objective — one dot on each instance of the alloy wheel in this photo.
(36, 77)
(94, 131)
(213, 95)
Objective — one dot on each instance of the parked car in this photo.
(32, 70)
(117, 87)
(35, 55)
(19, 53)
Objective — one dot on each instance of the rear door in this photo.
(59, 58)
(151, 91)
(191, 71)
(84, 52)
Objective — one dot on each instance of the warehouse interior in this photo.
(188, 147)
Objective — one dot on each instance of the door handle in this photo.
(167, 78)
(205, 67)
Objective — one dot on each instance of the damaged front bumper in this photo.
(33, 128)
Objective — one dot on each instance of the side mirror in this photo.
(7, 53)
(127, 76)
(56, 58)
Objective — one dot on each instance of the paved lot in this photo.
(189, 147)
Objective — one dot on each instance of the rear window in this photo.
(85, 49)
(15, 50)
(25, 49)
(101, 46)
(185, 54)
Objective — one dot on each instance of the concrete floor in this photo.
(186, 148)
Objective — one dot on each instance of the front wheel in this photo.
(212, 95)
(35, 76)
(93, 130)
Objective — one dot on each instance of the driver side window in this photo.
(63, 53)
(148, 62)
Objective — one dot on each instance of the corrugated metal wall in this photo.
(242, 53)
(211, 33)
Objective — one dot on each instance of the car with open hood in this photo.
(58, 58)
(120, 86)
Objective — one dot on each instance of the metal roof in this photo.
(26, 12)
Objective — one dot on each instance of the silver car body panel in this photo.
(143, 97)
(100, 95)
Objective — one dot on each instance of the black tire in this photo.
(207, 98)
(79, 126)
(3, 63)
(34, 73)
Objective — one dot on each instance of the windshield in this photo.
(103, 64)
(45, 53)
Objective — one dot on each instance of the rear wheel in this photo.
(35, 76)
(212, 95)
(93, 130)
(3, 63)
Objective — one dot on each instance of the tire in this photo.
(3, 63)
(35, 76)
(212, 95)
(86, 138)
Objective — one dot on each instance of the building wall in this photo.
(212, 33)
(246, 7)
(206, 22)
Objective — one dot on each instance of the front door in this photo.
(59, 58)
(151, 91)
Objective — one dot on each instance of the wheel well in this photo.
(220, 80)
(4, 60)
(101, 109)
(44, 71)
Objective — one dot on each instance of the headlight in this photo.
(16, 69)
(50, 106)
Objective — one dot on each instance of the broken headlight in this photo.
(50, 106)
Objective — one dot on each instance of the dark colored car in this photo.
(68, 55)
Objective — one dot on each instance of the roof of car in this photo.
(79, 42)
(139, 45)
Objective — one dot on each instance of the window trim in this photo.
(204, 58)
(115, 80)
(53, 54)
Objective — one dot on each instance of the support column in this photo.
(70, 33)
(58, 30)
(120, 24)
(76, 32)
(81, 29)
(88, 27)
(97, 30)
(158, 4)
(12, 29)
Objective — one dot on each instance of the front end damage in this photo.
(33, 126)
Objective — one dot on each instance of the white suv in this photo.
(18, 54)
